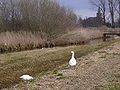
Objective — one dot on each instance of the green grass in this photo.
(59, 78)
(89, 62)
(32, 80)
(103, 56)
(60, 74)
(116, 75)
(109, 86)
(35, 89)
(21, 85)
(55, 71)
(116, 54)
(34, 62)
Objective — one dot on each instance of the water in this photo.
(95, 41)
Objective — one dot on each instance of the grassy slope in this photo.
(13, 65)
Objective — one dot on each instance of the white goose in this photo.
(72, 61)
(26, 77)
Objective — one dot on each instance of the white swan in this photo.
(26, 77)
(72, 61)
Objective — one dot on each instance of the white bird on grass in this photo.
(72, 61)
(26, 77)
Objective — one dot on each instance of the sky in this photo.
(82, 8)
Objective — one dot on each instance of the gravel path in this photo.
(92, 70)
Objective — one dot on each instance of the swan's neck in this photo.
(72, 55)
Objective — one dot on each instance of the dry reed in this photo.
(78, 36)
(24, 40)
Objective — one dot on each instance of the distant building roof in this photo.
(94, 21)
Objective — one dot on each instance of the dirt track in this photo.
(93, 70)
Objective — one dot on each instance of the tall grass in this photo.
(78, 36)
(22, 40)
(22, 37)
(26, 40)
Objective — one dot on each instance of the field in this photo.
(39, 61)
(96, 71)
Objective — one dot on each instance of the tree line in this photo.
(110, 11)
(35, 15)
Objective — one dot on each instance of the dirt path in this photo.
(92, 70)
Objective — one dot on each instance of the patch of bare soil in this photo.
(92, 70)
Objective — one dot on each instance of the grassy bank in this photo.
(34, 62)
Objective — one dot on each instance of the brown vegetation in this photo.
(22, 40)
(78, 36)
(13, 65)
(27, 40)
(35, 15)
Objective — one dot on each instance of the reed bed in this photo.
(78, 36)
(26, 40)
(22, 40)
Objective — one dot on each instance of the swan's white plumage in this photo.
(72, 61)
(26, 77)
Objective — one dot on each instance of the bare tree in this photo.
(112, 8)
(35, 15)
(118, 10)
(102, 4)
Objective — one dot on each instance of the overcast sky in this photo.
(81, 7)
